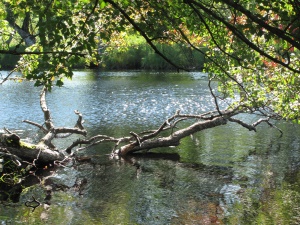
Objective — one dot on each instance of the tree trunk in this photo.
(171, 140)
(39, 153)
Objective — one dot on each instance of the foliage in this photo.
(252, 46)
(132, 52)
(11, 176)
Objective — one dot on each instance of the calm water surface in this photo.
(225, 175)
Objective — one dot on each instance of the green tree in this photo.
(253, 46)
(251, 49)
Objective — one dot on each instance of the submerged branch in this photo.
(45, 151)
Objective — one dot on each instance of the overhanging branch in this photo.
(14, 52)
(148, 40)
(238, 34)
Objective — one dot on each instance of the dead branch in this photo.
(267, 120)
(7, 130)
(47, 115)
(150, 139)
(138, 139)
(8, 75)
(248, 126)
(148, 142)
(144, 140)
(41, 155)
(44, 150)
(93, 141)
(214, 96)
(36, 124)
(51, 131)
(80, 121)
(253, 126)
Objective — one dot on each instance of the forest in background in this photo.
(131, 52)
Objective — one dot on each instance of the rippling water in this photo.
(225, 175)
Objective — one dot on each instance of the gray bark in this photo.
(11, 143)
(23, 31)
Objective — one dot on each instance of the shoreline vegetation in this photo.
(133, 54)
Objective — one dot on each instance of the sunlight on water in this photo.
(225, 175)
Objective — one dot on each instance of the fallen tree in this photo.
(249, 49)
(168, 134)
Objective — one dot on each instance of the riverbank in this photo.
(225, 174)
(135, 56)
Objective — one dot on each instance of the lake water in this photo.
(224, 175)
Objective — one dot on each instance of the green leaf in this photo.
(103, 4)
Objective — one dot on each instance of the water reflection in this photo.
(225, 175)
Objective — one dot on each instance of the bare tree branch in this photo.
(248, 126)
(8, 75)
(15, 52)
(47, 115)
(214, 96)
(267, 120)
(37, 125)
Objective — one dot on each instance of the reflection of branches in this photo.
(32, 203)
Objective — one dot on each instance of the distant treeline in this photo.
(142, 56)
(132, 57)
(8, 61)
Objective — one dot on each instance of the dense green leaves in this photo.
(252, 46)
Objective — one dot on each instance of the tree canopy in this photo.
(251, 47)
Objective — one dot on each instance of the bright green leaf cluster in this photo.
(251, 47)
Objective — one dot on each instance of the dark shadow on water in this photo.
(150, 155)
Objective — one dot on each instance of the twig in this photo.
(116, 145)
(91, 141)
(266, 120)
(37, 157)
(260, 121)
(7, 131)
(80, 121)
(214, 96)
(136, 137)
(6, 78)
(248, 126)
(36, 124)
